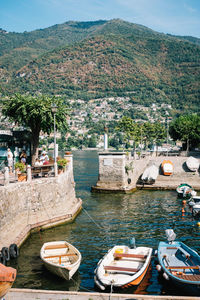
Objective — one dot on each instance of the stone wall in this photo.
(42, 202)
(119, 171)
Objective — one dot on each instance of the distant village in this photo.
(83, 116)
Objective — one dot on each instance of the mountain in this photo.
(103, 58)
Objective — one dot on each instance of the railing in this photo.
(31, 173)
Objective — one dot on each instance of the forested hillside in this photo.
(104, 58)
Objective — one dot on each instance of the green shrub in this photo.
(62, 162)
(20, 166)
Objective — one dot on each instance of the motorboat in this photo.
(122, 266)
(7, 278)
(179, 263)
(194, 203)
(150, 174)
(192, 163)
(61, 258)
(184, 190)
(167, 167)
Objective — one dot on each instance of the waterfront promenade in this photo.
(28, 294)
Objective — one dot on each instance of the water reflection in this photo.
(106, 220)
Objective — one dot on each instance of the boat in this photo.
(60, 258)
(184, 190)
(7, 278)
(167, 167)
(192, 164)
(122, 267)
(194, 203)
(150, 174)
(179, 263)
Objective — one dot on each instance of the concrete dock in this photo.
(181, 175)
(28, 294)
(121, 172)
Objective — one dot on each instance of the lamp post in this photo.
(54, 110)
(105, 138)
(167, 115)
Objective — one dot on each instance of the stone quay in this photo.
(37, 203)
(121, 172)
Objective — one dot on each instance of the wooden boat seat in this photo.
(121, 269)
(120, 255)
(172, 248)
(193, 277)
(180, 249)
(60, 246)
(61, 255)
(183, 267)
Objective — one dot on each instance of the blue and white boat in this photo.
(180, 264)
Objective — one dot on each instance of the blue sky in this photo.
(179, 17)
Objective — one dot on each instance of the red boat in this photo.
(7, 278)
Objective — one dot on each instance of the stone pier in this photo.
(120, 172)
(38, 203)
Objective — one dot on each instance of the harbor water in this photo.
(107, 220)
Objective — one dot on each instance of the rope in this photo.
(101, 227)
(111, 290)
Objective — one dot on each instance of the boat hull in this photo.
(150, 174)
(123, 270)
(5, 287)
(7, 278)
(180, 264)
(167, 167)
(62, 261)
(184, 190)
(192, 164)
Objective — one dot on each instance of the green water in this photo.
(106, 220)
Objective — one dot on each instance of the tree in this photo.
(34, 112)
(186, 128)
(128, 127)
(92, 142)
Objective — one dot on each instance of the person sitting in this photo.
(46, 161)
(44, 156)
(38, 163)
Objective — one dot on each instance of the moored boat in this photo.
(122, 267)
(7, 278)
(194, 203)
(61, 258)
(184, 190)
(192, 163)
(180, 264)
(150, 174)
(167, 167)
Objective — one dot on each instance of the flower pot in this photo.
(21, 177)
(60, 171)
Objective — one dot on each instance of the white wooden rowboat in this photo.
(61, 258)
(192, 163)
(122, 267)
(150, 174)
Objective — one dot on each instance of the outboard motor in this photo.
(170, 235)
(132, 243)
